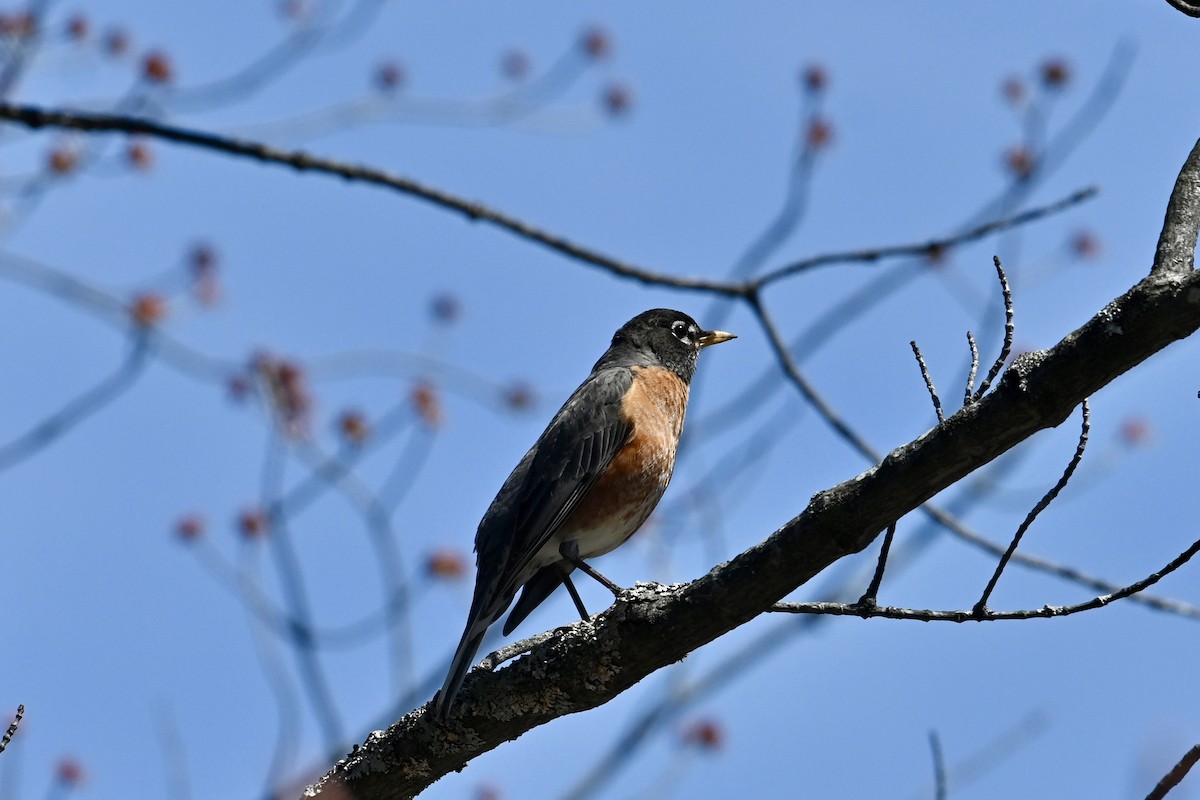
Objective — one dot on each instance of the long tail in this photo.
(464, 656)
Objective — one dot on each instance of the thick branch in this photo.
(651, 627)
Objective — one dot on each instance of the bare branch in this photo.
(969, 392)
(1180, 770)
(984, 614)
(36, 117)
(1006, 348)
(937, 402)
(872, 592)
(932, 245)
(12, 728)
(1041, 506)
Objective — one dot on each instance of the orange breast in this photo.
(621, 500)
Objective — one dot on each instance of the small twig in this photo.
(939, 766)
(1006, 348)
(984, 614)
(1040, 507)
(933, 395)
(788, 363)
(12, 728)
(511, 651)
(868, 599)
(968, 393)
(1177, 773)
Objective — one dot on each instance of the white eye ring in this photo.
(680, 329)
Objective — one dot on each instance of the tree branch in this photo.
(88, 122)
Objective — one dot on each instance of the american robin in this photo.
(591, 479)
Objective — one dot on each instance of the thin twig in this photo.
(933, 395)
(983, 614)
(792, 371)
(511, 651)
(868, 599)
(969, 392)
(1178, 772)
(1041, 506)
(932, 245)
(939, 766)
(1006, 348)
(12, 728)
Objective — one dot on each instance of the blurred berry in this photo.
(515, 65)
(148, 309)
(116, 42)
(157, 67)
(190, 527)
(1085, 245)
(814, 78)
(617, 99)
(390, 76)
(69, 772)
(446, 564)
(252, 523)
(78, 27)
(705, 734)
(238, 386)
(445, 308)
(428, 406)
(139, 155)
(1020, 162)
(19, 25)
(295, 10)
(1135, 431)
(202, 263)
(353, 427)
(488, 792)
(1013, 90)
(1055, 73)
(596, 42)
(288, 392)
(819, 134)
(63, 159)
(518, 397)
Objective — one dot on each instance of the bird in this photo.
(588, 483)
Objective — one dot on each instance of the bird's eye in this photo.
(680, 329)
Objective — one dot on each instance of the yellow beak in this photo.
(715, 337)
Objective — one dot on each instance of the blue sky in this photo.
(119, 642)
